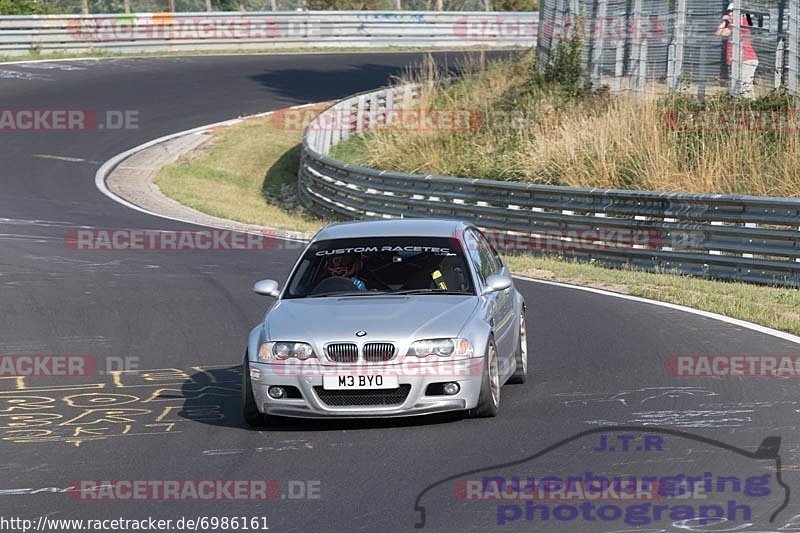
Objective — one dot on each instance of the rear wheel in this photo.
(521, 373)
(489, 399)
(250, 411)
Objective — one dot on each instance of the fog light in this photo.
(451, 389)
(276, 392)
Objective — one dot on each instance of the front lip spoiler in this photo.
(441, 406)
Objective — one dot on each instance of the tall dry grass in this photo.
(540, 133)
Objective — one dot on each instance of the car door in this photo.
(505, 317)
(498, 305)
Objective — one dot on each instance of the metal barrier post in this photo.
(736, 42)
(596, 34)
(680, 44)
(794, 41)
(619, 66)
(636, 50)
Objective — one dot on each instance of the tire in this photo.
(250, 411)
(489, 399)
(521, 356)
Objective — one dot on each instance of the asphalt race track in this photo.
(597, 361)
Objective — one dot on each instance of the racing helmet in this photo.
(342, 265)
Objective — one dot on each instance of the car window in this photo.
(473, 249)
(492, 257)
(381, 264)
(483, 257)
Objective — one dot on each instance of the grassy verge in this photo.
(537, 130)
(232, 176)
(769, 306)
(246, 173)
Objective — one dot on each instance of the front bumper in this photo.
(308, 380)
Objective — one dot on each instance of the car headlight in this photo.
(282, 350)
(441, 347)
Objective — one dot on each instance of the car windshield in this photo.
(381, 265)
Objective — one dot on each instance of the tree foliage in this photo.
(564, 67)
(516, 5)
(23, 7)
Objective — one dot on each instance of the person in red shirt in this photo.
(749, 62)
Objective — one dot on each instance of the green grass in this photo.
(350, 150)
(539, 131)
(235, 175)
(769, 306)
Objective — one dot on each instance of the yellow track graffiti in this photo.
(124, 404)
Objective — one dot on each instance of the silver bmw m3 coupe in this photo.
(387, 318)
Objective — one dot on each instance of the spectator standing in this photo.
(749, 59)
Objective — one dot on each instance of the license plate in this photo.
(359, 382)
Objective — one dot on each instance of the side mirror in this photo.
(496, 284)
(267, 287)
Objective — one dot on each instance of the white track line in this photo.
(108, 166)
(707, 314)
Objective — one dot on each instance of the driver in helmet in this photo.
(347, 266)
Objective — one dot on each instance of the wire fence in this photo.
(698, 46)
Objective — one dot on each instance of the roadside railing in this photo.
(159, 32)
(745, 238)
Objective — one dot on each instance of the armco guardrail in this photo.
(746, 238)
(155, 32)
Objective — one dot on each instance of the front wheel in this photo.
(250, 411)
(489, 398)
